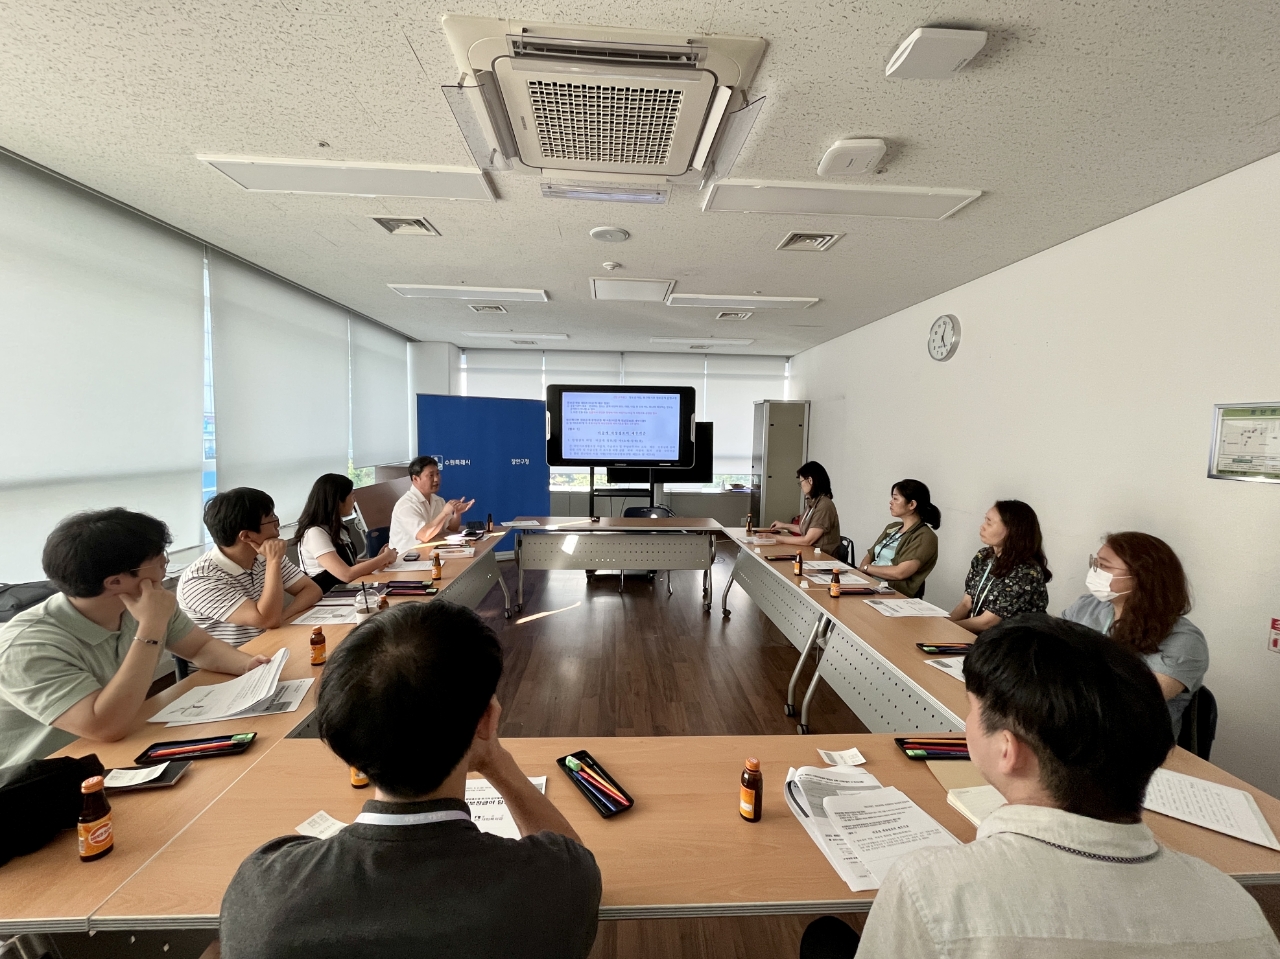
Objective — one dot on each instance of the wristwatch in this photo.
(149, 642)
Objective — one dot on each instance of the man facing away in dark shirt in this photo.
(408, 698)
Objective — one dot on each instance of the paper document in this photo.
(1221, 808)
(402, 565)
(286, 699)
(828, 565)
(884, 825)
(119, 778)
(321, 825)
(760, 540)
(850, 757)
(951, 665)
(522, 524)
(328, 615)
(489, 810)
(905, 607)
(846, 578)
(975, 803)
(804, 790)
(456, 552)
(206, 704)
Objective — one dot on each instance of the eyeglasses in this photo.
(1095, 563)
(272, 520)
(163, 563)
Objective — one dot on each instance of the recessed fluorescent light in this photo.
(702, 342)
(727, 301)
(340, 178)
(637, 291)
(406, 225)
(489, 335)
(468, 292)
(609, 194)
(836, 199)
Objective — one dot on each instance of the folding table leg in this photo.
(803, 727)
(790, 708)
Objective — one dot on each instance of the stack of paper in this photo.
(820, 572)
(256, 693)
(805, 790)
(328, 615)
(883, 825)
(905, 607)
(522, 524)
(456, 552)
(975, 803)
(951, 665)
(1223, 809)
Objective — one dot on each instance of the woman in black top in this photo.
(1008, 575)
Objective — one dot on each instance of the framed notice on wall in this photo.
(1246, 442)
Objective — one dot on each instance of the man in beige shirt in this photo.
(1069, 727)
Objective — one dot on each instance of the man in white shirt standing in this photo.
(1069, 726)
(420, 516)
(236, 591)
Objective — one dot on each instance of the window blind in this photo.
(734, 383)
(513, 374)
(103, 330)
(666, 369)
(583, 369)
(379, 395)
(280, 379)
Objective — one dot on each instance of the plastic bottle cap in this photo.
(91, 785)
(753, 764)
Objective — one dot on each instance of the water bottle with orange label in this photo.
(93, 829)
(751, 798)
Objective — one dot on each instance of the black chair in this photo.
(1199, 723)
(375, 539)
(844, 552)
(647, 512)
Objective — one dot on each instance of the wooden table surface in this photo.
(894, 638)
(682, 851)
(619, 524)
(51, 890)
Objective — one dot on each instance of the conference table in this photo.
(616, 542)
(52, 891)
(870, 660)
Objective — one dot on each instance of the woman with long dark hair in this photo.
(324, 546)
(1138, 595)
(906, 552)
(1008, 575)
(819, 523)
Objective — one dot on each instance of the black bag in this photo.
(39, 799)
(15, 597)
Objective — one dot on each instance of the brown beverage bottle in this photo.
(751, 799)
(751, 531)
(93, 830)
(488, 524)
(799, 565)
(437, 569)
(834, 589)
(358, 779)
(318, 654)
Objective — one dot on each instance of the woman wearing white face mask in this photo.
(1138, 595)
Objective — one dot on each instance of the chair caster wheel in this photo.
(802, 729)
(506, 614)
(788, 710)
(725, 613)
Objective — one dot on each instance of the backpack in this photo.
(39, 799)
(15, 597)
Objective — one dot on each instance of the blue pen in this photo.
(608, 800)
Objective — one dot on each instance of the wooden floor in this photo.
(642, 663)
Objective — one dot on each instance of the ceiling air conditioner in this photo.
(600, 102)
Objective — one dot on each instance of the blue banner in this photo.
(491, 450)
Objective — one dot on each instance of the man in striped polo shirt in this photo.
(236, 590)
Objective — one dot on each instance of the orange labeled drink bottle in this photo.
(318, 655)
(93, 830)
(751, 799)
(834, 589)
(437, 569)
(799, 563)
(358, 779)
(751, 531)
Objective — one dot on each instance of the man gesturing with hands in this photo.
(237, 589)
(420, 515)
(80, 663)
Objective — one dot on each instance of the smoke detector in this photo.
(810, 242)
(934, 53)
(541, 98)
(610, 234)
(406, 225)
(852, 158)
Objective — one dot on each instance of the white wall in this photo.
(1084, 384)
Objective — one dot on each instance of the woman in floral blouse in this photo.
(1009, 574)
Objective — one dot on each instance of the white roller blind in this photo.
(583, 369)
(734, 383)
(666, 369)
(101, 314)
(513, 374)
(280, 379)
(379, 395)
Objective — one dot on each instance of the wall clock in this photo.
(944, 337)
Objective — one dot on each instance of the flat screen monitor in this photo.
(699, 472)
(644, 426)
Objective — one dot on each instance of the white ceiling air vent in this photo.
(703, 343)
(809, 242)
(525, 342)
(734, 315)
(595, 100)
(406, 225)
(487, 307)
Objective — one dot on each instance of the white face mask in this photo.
(1098, 582)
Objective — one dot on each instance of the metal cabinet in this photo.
(779, 446)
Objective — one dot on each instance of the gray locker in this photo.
(779, 446)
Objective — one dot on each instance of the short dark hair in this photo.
(229, 513)
(401, 696)
(816, 474)
(87, 548)
(419, 463)
(1089, 708)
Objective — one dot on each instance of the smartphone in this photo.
(410, 557)
(172, 773)
(605, 804)
(945, 649)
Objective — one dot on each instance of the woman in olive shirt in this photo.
(906, 552)
(820, 524)
(1008, 575)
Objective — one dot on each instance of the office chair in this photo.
(844, 552)
(375, 539)
(1199, 723)
(648, 512)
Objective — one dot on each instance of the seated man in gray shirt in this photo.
(1069, 726)
(408, 698)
